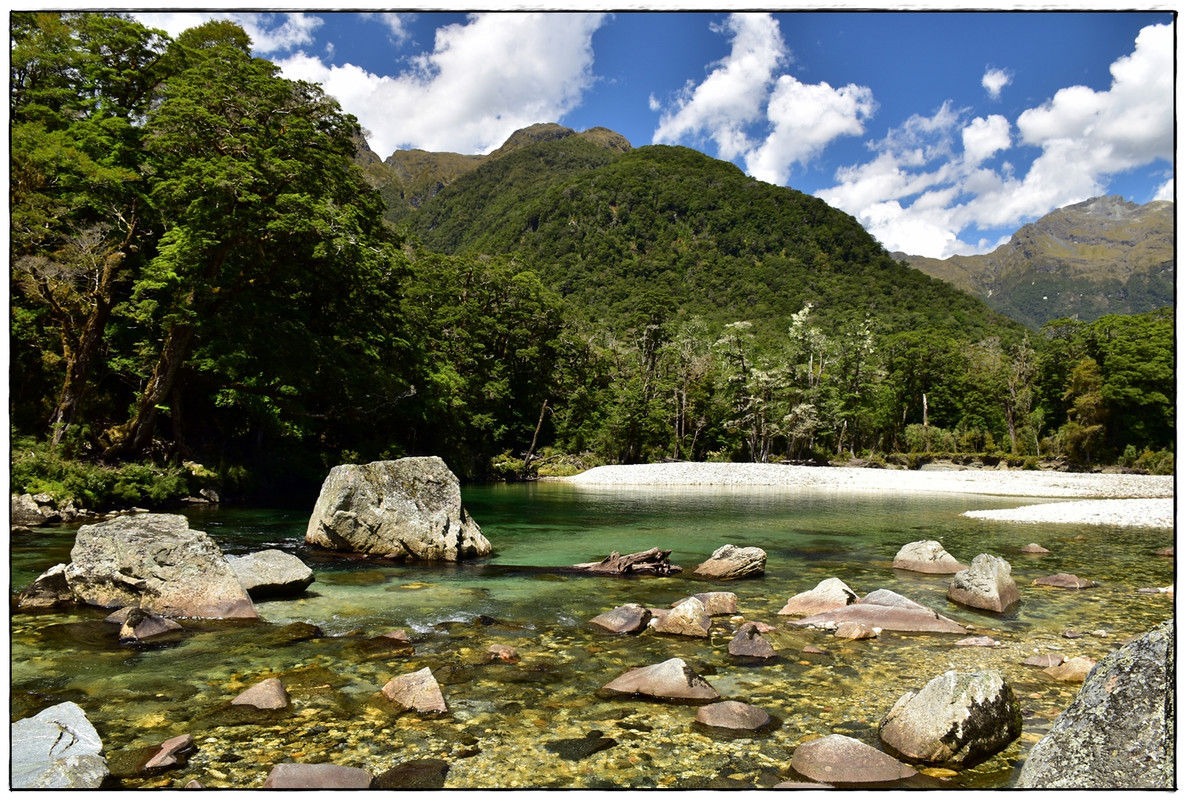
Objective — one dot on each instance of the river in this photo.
(503, 717)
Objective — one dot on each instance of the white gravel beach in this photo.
(1100, 498)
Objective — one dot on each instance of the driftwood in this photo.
(649, 562)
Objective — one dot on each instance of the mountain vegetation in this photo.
(1085, 261)
(208, 268)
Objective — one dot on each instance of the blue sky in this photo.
(941, 132)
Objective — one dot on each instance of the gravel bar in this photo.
(1104, 498)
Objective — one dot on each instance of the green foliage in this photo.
(37, 468)
(1156, 463)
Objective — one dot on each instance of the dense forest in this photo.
(205, 286)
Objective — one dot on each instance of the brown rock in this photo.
(842, 759)
(1064, 580)
(749, 642)
(418, 691)
(1073, 670)
(1035, 549)
(172, 753)
(716, 604)
(269, 694)
(689, 618)
(630, 618)
(889, 611)
(1168, 552)
(854, 630)
(671, 680)
(49, 590)
(1044, 660)
(730, 562)
(503, 653)
(828, 595)
(317, 776)
(978, 641)
(928, 557)
(139, 625)
(732, 715)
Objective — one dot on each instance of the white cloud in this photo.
(919, 192)
(734, 94)
(482, 81)
(994, 81)
(270, 33)
(806, 117)
(751, 112)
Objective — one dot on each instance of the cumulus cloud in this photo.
(768, 120)
(483, 80)
(270, 33)
(921, 191)
(994, 81)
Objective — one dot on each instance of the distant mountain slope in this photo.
(1102, 256)
(407, 178)
(669, 231)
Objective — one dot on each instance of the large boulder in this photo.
(987, 584)
(733, 715)
(1118, 732)
(671, 680)
(886, 610)
(926, 556)
(271, 573)
(841, 759)
(630, 618)
(27, 510)
(157, 562)
(58, 748)
(828, 595)
(730, 562)
(956, 720)
(409, 508)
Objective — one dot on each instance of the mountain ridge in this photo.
(1105, 255)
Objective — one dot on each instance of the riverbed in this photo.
(503, 716)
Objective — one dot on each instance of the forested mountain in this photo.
(205, 271)
(677, 233)
(1102, 256)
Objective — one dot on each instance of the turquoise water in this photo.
(502, 716)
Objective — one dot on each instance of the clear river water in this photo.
(508, 722)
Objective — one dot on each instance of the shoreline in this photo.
(1100, 498)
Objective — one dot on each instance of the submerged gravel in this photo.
(1103, 498)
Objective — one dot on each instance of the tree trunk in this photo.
(137, 434)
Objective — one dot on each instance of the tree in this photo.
(79, 84)
(1084, 430)
(263, 212)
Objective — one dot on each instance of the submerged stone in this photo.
(671, 680)
(841, 759)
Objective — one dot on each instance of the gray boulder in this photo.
(267, 695)
(730, 562)
(157, 562)
(271, 573)
(828, 595)
(26, 510)
(987, 584)
(956, 720)
(671, 680)
(409, 508)
(1118, 732)
(926, 556)
(886, 610)
(58, 748)
(716, 604)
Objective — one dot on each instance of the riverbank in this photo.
(1101, 498)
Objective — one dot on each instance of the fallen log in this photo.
(648, 562)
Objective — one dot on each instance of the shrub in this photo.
(1156, 463)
